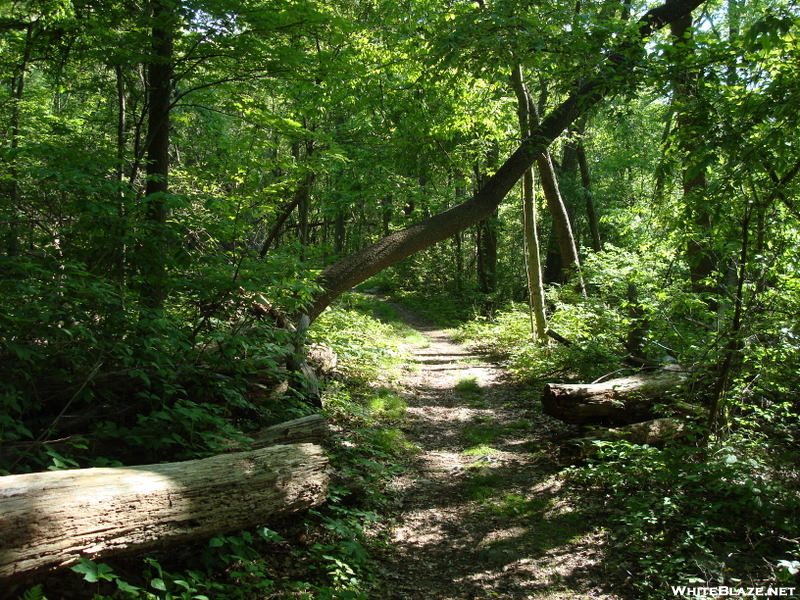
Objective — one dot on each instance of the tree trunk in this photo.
(568, 249)
(533, 259)
(305, 430)
(50, 520)
(691, 129)
(487, 255)
(17, 93)
(586, 184)
(617, 401)
(159, 82)
(363, 264)
(301, 193)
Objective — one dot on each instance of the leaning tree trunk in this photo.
(50, 520)
(616, 401)
(611, 77)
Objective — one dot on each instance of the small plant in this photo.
(482, 487)
(479, 450)
(482, 435)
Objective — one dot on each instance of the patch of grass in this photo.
(477, 435)
(387, 404)
(469, 389)
(479, 450)
(482, 487)
(392, 442)
(517, 505)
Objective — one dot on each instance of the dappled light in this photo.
(351, 299)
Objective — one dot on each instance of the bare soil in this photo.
(481, 512)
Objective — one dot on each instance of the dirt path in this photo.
(482, 514)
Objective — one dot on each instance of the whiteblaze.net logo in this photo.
(723, 591)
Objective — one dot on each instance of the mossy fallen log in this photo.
(50, 520)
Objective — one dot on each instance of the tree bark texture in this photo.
(611, 76)
(586, 183)
(691, 128)
(159, 83)
(50, 520)
(311, 429)
(617, 401)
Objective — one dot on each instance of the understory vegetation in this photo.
(190, 191)
(324, 554)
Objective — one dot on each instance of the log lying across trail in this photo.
(616, 401)
(49, 520)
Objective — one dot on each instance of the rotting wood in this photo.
(311, 429)
(616, 401)
(50, 520)
(655, 432)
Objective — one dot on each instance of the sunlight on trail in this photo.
(482, 514)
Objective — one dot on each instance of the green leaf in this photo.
(93, 572)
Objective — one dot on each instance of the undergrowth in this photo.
(322, 554)
(691, 515)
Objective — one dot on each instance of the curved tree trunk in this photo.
(363, 264)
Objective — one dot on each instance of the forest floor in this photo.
(480, 510)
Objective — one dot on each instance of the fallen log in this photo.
(656, 432)
(616, 401)
(311, 429)
(50, 520)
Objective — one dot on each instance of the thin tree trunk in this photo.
(586, 184)
(533, 259)
(300, 193)
(611, 76)
(120, 248)
(17, 93)
(699, 255)
(734, 344)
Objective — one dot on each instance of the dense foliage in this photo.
(174, 174)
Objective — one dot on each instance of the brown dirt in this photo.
(482, 521)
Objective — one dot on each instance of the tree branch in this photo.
(611, 76)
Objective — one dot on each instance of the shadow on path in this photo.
(483, 514)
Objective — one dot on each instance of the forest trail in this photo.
(481, 513)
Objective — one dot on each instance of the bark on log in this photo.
(617, 401)
(50, 520)
(311, 429)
